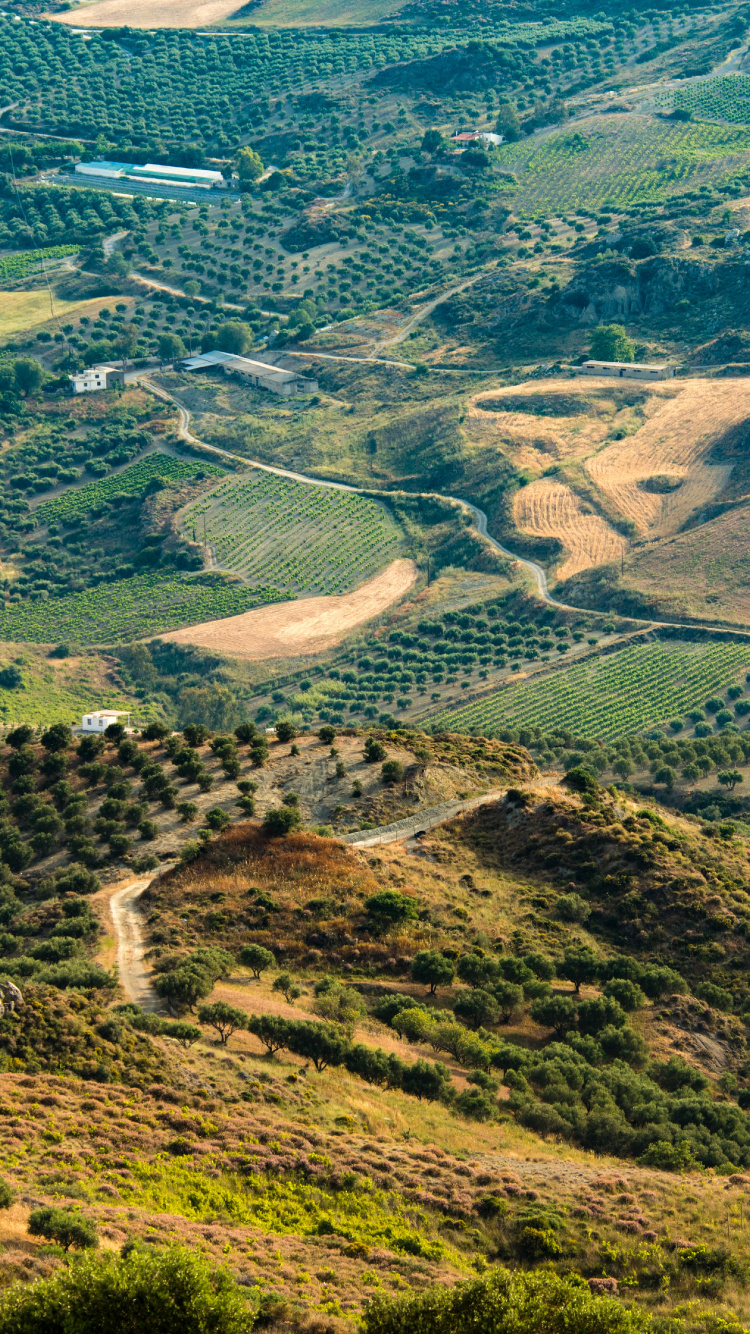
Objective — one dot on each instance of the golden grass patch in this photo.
(547, 508)
(20, 311)
(675, 441)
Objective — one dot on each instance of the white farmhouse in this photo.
(100, 721)
(96, 377)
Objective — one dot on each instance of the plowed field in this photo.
(310, 625)
(675, 442)
(550, 509)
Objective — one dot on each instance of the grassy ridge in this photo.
(147, 604)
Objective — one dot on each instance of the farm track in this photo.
(533, 569)
(126, 919)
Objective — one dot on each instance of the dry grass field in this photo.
(549, 509)
(20, 311)
(674, 443)
(704, 572)
(189, 14)
(291, 629)
(142, 14)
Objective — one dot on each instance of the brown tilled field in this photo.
(674, 442)
(550, 509)
(291, 629)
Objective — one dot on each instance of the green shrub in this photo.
(717, 997)
(391, 905)
(281, 820)
(66, 1227)
(502, 1302)
(668, 1157)
(163, 1292)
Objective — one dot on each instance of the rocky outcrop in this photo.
(618, 290)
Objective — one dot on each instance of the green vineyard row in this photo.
(147, 604)
(614, 696)
(131, 481)
(304, 538)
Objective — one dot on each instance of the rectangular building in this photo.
(178, 175)
(96, 377)
(262, 376)
(100, 721)
(626, 370)
(113, 170)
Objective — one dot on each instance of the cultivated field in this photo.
(615, 159)
(131, 608)
(24, 310)
(549, 509)
(609, 697)
(143, 14)
(309, 626)
(673, 443)
(307, 539)
(132, 481)
(314, 13)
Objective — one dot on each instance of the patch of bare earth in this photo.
(145, 14)
(291, 629)
(550, 509)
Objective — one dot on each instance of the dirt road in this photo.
(126, 918)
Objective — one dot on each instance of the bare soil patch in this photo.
(675, 440)
(291, 629)
(144, 14)
(549, 509)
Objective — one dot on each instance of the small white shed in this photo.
(100, 721)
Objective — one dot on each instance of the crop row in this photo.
(615, 696)
(305, 538)
(637, 159)
(723, 98)
(18, 266)
(147, 604)
(132, 481)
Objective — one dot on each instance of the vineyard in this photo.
(620, 159)
(307, 539)
(19, 266)
(132, 481)
(609, 697)
(146, 604)
(725, 98)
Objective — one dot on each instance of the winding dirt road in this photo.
(126, 917)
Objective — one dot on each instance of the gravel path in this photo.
(413, 824)
(127, 922)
